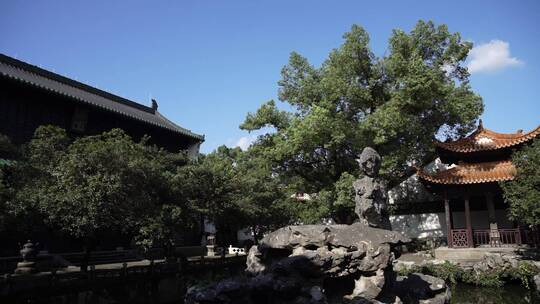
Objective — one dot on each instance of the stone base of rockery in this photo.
(324, 264)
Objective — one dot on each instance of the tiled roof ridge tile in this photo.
(498, 140)
(41, 78)
(472, 173)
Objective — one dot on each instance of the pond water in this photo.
(170, 291)
(510, 293)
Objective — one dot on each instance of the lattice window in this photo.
(459, 238)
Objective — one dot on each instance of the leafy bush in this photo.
(490, 278)
(110, 183)
(97, 184)
(523, 193)
(446, 271)
(453, 273)
(524, 273)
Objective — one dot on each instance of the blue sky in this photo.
(208, 63)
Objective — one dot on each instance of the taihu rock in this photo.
(371, 192)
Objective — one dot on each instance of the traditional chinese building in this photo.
(31, 97)
(475, 213)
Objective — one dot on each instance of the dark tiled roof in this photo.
(484, 139)
(477, 173)
(38, 77)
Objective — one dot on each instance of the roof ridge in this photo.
(476, 173)
(38, 77)
(517, 134)
(71, 82)
(494, 140)
(175, 125)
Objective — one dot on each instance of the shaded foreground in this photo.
(133, 282)
(324, 264)
(510, 293)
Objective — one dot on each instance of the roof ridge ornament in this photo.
(154, 105)
(480, 124)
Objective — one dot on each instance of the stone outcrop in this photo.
(371, 192)
(421, 288)
(536, 280)
(323, 264)
(497, 261)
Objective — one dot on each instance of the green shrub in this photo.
(490, 278)
(453, 273)
(446, 271)
(524, 273)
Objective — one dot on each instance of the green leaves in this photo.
(96, 184)
(235, 189)
(397, 103)
(267, 116)
(523, 193)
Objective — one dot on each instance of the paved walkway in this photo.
(470, 255)
(417, 258)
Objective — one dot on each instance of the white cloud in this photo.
(244, 142)
(491, 56)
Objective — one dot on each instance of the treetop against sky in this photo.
(210, 63)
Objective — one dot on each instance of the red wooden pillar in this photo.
(448, 217)
(494, 236)
(468, 222)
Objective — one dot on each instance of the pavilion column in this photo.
(468, 221)
(494, 237)
(491, 212)
(448, 217)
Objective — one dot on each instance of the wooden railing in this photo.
(8, 264)
(510, 236)
(481, 237)
(486, 237)
(101, 257)
(62, 281)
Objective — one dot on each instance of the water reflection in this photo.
(514, 294)
(172, 290)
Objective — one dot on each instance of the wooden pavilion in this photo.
(478, 163)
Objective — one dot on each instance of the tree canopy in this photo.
(109, 183)
(396, 103)
(233, 189)
(523, 193)
(103, 183)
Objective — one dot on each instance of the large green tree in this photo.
(99, 184)
(396, 103)
(523, 193)
(234, 190)
(262, 198)
(209, 186)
